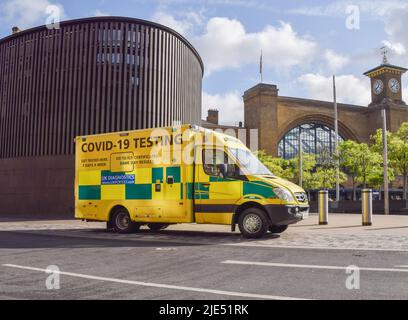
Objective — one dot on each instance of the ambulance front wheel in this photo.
(253, 223)
(121, 222)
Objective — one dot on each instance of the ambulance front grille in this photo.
(301, 197)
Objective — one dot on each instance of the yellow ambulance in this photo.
(180, 174)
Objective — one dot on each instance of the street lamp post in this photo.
(336, 143)
(385, 155)
(300, 147)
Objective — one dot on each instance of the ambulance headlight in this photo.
(284, 194)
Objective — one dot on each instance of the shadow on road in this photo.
(100, 238)
(341, 227)
(388, 228)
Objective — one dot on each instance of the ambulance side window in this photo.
(212, 159)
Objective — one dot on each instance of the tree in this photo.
(397, 152)
(359, 162)
(399, 155)
(376, 178)
(348, 152)
(325, 177)
(369, 162)
(377, 141)
(326, 172)
(308, 168)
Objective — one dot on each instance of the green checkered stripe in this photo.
(202, 191)
(136, 191)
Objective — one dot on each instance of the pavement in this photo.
(308, 261)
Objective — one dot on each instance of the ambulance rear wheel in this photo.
(253, 223)
(278, 229)
(157, 226)
(122, 223)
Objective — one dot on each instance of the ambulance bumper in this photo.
(285, 215)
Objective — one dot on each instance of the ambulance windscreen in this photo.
(250, 162)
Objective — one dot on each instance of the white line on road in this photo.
(308, 266)
(158, 285)
(259, 245)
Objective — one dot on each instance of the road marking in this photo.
(401, 266)
(158, 285)
(258, 245)
(308, 266)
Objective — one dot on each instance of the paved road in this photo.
(180, 264)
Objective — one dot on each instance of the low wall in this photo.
(37, 187)
(348, 206)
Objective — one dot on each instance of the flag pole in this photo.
(261, 66)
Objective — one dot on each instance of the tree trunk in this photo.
(380, 194)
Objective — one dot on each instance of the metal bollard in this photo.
(323, 207)
(367, 207)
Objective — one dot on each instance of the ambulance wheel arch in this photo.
(242, 208)
(119, 219)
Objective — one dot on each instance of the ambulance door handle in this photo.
(170, 180)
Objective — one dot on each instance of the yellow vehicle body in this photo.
(171, 175)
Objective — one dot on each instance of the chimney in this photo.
(15, 30)
(212, 116)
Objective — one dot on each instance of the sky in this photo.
(303, 43)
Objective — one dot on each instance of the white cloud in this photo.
(167, 20)
(376, 8)
(335, 61)
(184, 23)
(396, 29)
(230, 106)
(350, 89)
(100, 13)
(26, 13)
(397, 47)
(226, 44)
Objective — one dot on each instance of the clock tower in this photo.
(386, 94)
(386, 83)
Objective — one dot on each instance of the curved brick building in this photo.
(89, 76)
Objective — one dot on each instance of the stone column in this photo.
(261, 113)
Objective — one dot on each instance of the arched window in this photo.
(316, 138)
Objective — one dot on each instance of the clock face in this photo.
(378, 86)
(394, 85)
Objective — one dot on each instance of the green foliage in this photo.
(325, 174)
(403, 131)
(325, 177)
(308, 167)
(360, 162)
(377, 141)
(397, 153)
